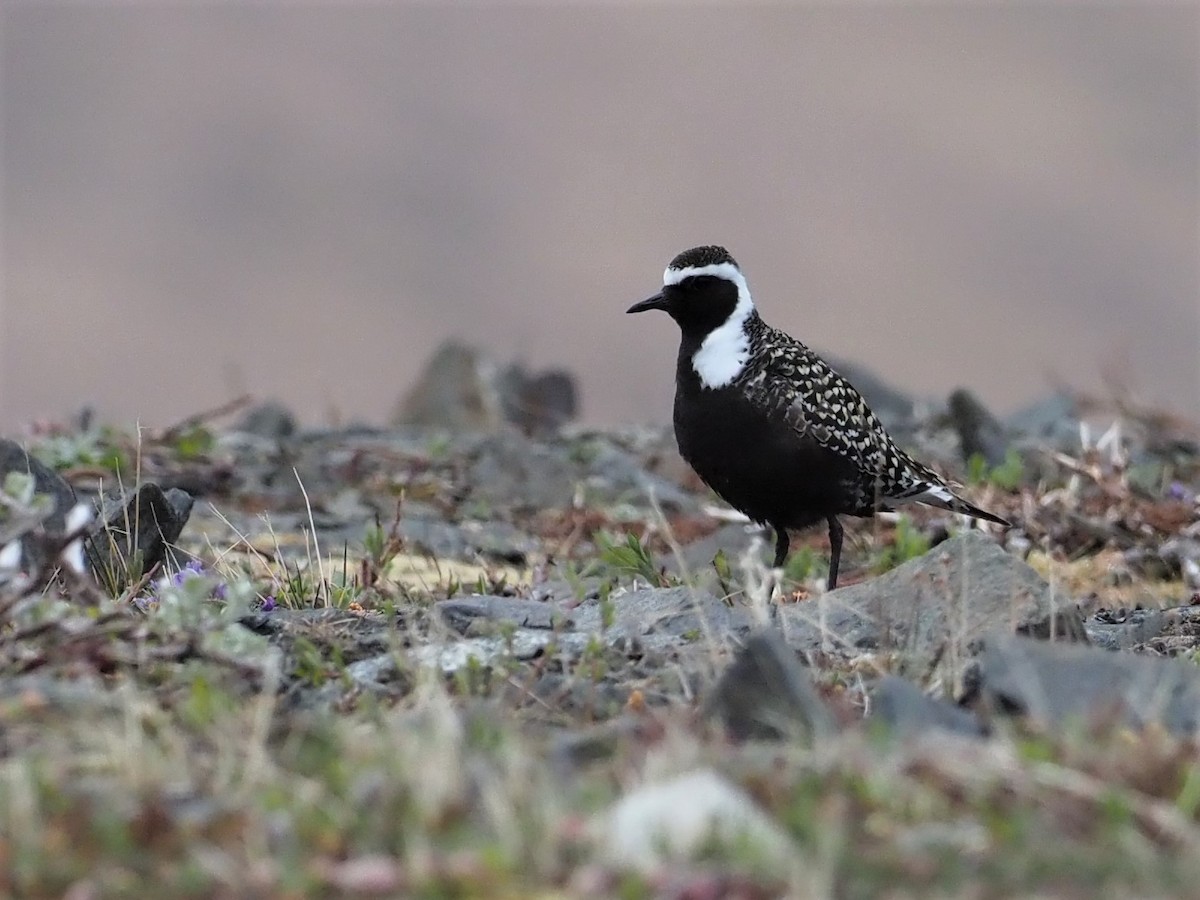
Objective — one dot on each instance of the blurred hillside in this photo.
(304, 202)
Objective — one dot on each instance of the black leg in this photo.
(782, 544)
(835, 549)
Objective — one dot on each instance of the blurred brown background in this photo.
(302, 203)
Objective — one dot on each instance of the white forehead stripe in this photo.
(723, 354)
(725, 270)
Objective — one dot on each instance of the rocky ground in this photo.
(238, 658)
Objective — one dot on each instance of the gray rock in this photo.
(1159, 631)
(562, 591)
(462, 388)
(457, 389)
(373, 672)
(345, 507)
(271, 420)
(307, 620)
(538, 402)
(586, 698)
(451, 656)
(133, 534)
(1125, 629)
(616, 475)
(14, 458)
(733, 539)
(508, 470)
(1176, 557)
(979, 432)
(766, 694)
(1057, 683)
(907, 710)
(573, 749)
(671, 612)
(491, 540)
(944, 601)
(1053, 421)
(466, 614)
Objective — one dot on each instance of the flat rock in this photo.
(286, 621)
(562, 591)
(1128, 629)
(907, 710)
(465, 614)
(766, 694)
(947, 599)
(1058, 683)
(678, 612)
(450, 656)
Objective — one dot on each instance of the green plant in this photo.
(608, 611)
(574, 577)
(720, 564)
(593, 661)
(473, 678)
(21, 507)
(437, 446)
(296, 589)
(629, 555)
(801, 565)
(308, 663)
(114, 571)
(1007, 476)
(907, 543)
(193, 443)
(583, 452)
(102, 447)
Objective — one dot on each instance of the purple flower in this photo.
(269, 603)
(194, 567)
(1178, 491)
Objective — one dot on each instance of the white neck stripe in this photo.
(723, 353)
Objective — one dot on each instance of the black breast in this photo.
(756, 462)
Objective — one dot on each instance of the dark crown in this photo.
(698, 257)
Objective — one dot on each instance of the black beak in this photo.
(658, 301)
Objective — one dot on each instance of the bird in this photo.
(769, 425)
